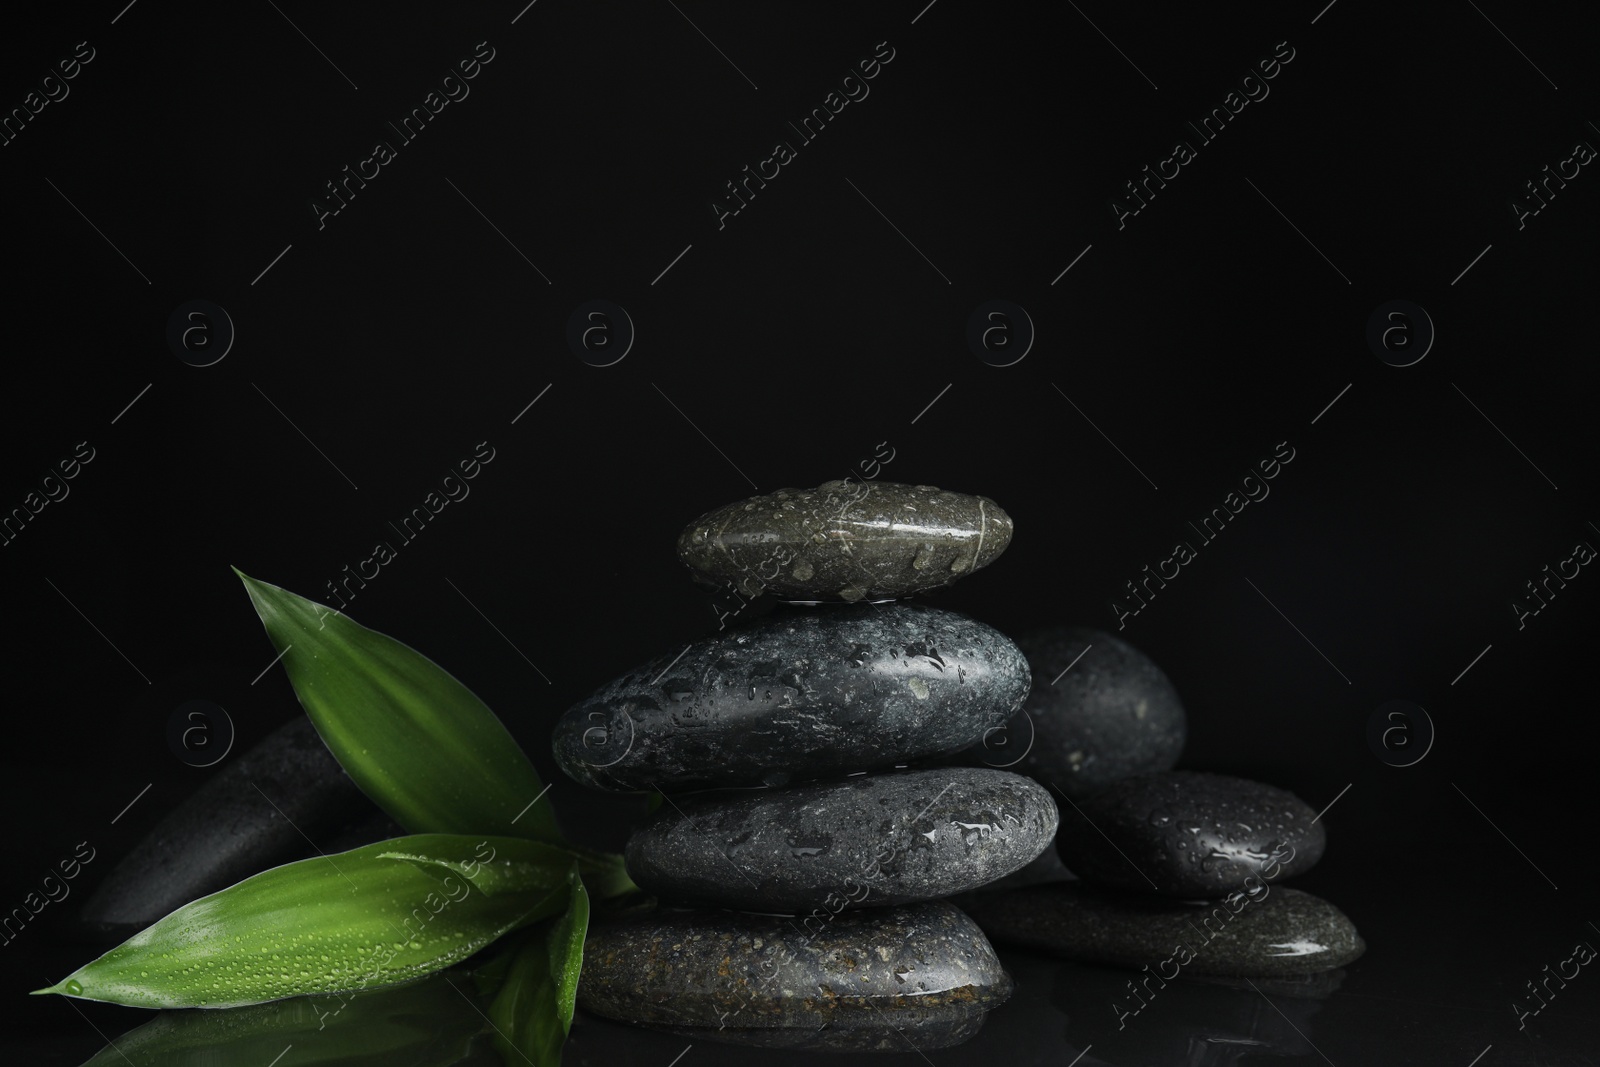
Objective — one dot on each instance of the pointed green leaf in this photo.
(416, 740)
(532, 1012)
(430, 1023)
(533, 860)
(376, 915)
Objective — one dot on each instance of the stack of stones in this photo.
(1154, 869)
(813, 816)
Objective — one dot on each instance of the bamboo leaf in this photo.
(416, 740)
(532, 1012)
(533, 859)
(374, 916)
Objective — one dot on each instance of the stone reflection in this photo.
(1190, 1022)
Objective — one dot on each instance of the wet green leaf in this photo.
(416, 740)
(532, 1012)
(374, 916)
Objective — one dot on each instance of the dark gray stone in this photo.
(802, 694)
(1112, 715)
(846, 541)
(863, 841)
(1043, 868)
(229, 829)
(700, 971)
(1273, 932)
(1188, 834)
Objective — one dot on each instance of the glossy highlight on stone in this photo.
(846, 541)
(1189, 834)
(802, 694)
(1099, 711)
(926, 965)
(859, 842)
(1274, 932)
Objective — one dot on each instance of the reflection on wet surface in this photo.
(431, 1023)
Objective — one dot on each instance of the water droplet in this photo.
(960, 564)
(1160, 817)
(850, 594)
(923, 558)
(858, 655)
(698, 537)
(73, 988)
(802, 571)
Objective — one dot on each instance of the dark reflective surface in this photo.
(431, 1023)
(1450, 951)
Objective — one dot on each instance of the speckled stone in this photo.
(1112, 714)
(1189, 834)
(846, 541)
(863, 841)
(1043, 868)
(710, 970)
(229, 829)
(803, 694)
(1275, 932)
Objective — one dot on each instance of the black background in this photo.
(809, 332)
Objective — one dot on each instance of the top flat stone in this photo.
(846, 541)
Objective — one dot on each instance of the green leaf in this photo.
(430, 1023)
(376, 915)
(532, 1012)
(416, 740)
(533, 860)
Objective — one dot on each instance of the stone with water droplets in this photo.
(846, 541)
(1099, 711)
(862, 841)
(1189, 834)
(1273, 932)
(802, 694)
(769, 980)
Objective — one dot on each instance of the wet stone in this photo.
(1045, 867)
(229, 829)
(1099, 711)
(802, 694)
(926, 966)
(1273, 932)
(827, 846)
(846, 541)
(1190, 835)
